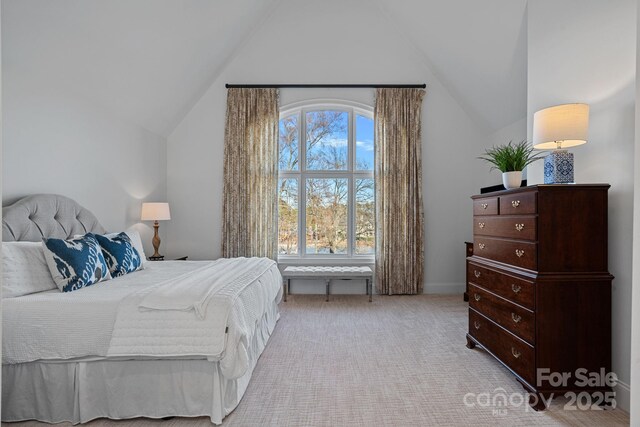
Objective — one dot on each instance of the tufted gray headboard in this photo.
(46, 215)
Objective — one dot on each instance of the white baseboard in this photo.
(450, 288)
(623, 396)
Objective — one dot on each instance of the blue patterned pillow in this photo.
(121, 256)
(75, 263)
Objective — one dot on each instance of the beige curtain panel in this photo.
(398, 177)
(250, 213)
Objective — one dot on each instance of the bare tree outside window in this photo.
(365, 217)
(327, 215)
(288, 144)
(330, 148)
(288, 217)
(327, 140)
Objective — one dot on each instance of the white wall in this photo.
(514, 132)
(57, 143)
(59, 139)
(585, 51)
(635, 302)
(361, 47)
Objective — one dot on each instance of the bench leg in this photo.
(328, 283)
(287, 288)
(370, 289)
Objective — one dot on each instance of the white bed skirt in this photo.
(79, 392)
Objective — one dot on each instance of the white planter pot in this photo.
(512, 179)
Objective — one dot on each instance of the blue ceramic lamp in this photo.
(558, 128)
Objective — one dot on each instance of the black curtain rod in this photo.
(300, 86)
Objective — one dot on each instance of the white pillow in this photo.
(24, 269)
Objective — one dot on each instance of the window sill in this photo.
(294, 260)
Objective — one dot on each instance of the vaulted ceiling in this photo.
(477, 49)
(149, 61)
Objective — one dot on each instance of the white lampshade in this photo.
(562, 126)
(155, 212)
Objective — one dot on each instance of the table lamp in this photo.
(558, 128)
(155, 212)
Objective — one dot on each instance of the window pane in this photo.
(364, 143)
(365, 217)
(288, 143)
(327, 140)
(288, 217)
(327, 215)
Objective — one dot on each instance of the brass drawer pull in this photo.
(476, 324)
(515, 288)
(515, 203)
(481, 245)
(516, 317)
(484, 205)
(481, 224)
(519, 253)
(519, 227)
(477, 297)
(476, 273)
(515, 353)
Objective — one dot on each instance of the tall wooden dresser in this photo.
(539, 286)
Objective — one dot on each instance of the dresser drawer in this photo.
(517, 290)
(519, 203)
(519, 254)
(485, 206)
(512, 351)
(515, 227)
(518, 320)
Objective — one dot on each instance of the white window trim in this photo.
(300, 109)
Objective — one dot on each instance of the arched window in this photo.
(326, 187)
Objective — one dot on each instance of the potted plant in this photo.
(510, 159)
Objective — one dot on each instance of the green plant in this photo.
(510, 157)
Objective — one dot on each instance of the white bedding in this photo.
(81, 391)
(80, 325)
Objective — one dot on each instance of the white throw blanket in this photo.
(199, 314)
(194, 290)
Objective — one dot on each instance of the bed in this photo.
(178, 338)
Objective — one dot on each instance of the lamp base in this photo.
(156, 243)
(558, 167)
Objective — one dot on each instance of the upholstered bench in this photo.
(328, 273)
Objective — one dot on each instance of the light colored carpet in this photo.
(399, 361)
